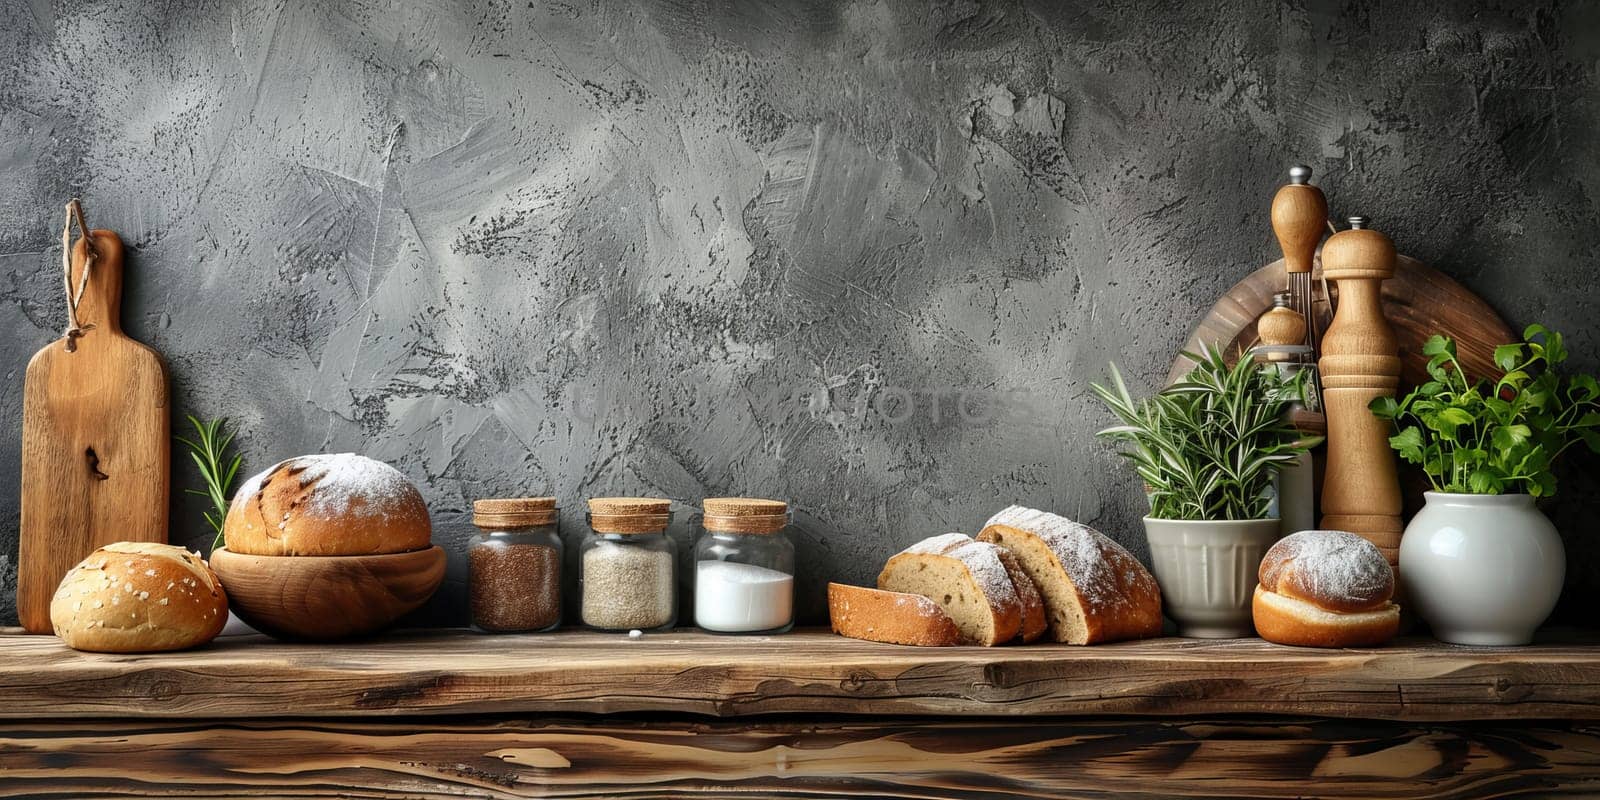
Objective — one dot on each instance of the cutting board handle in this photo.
(100, 307)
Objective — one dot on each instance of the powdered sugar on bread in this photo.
(1093, 590)
(346, 484)
(939, 545)
(964, 577)
(1335, 569)
(1080, 549)
(981, 559)
(344, 504)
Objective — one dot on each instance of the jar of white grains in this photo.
(744, 567)
(627, 566)
(514, 565)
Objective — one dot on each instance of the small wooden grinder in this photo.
(96, 435)
(1360, 362)
(1299, 218)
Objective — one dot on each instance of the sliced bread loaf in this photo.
(1093, 589)
(966, 578)
(893, 617)
(1034, 621)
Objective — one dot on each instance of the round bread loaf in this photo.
(1325, 589)
(327, 505)
(138, 597)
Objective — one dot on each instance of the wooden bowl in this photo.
(327, 597)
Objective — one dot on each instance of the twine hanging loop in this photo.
(75, 329)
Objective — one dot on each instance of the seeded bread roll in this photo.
(1093, 589)
(1325, 589)
(966, 578)
(327, 505)
(138, 597)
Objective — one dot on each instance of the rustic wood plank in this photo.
(809, 671)
(574, 758)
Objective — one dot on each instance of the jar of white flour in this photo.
(744, 567)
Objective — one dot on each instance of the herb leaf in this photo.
(1208, 446)
(1495, 436)
(209, 451)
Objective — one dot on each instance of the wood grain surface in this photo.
(808, 671)
(1360, 362)
(807, 758)
(96, 441)
(327, 597)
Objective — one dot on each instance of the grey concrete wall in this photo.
(703, 248)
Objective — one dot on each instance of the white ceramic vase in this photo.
(1482, 569)
(1207, 572)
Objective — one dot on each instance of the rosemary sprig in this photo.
(1208, 446)
(209, 450)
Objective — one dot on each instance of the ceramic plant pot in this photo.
(1207, 572)
(1482, 569)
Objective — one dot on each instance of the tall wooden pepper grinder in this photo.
(1360, 361)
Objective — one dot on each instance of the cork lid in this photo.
(629, 514)
(629, 505)
(513, 512)
(744, 515)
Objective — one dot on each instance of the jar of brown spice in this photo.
(514, 565)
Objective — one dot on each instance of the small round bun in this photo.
(1325, 589)
(139, 597)
(1334, 570)
(327, 505)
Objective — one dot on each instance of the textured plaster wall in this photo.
(862, 256)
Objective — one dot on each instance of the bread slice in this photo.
(892, 617)
(964, 577)
(1034, 621)
(1094, 590)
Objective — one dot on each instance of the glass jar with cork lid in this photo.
(514, 565)
(744, 567)
(627, 566)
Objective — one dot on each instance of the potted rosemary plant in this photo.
(1482, 564)
(1208, 449)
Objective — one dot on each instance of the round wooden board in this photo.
(1419, 302)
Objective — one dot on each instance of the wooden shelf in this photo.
(806, 672)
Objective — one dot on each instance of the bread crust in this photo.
(876, 615)
(139, 597)
(1119, 597)
(343, 505)
(1333, 570)
(1000, 595)
(1288, 620)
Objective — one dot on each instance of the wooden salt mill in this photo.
(1281, 326)
(1360, 361)
(1299, 218)
(1282, 332)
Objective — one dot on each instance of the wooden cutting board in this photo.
(96, 440)
(1418, 301)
